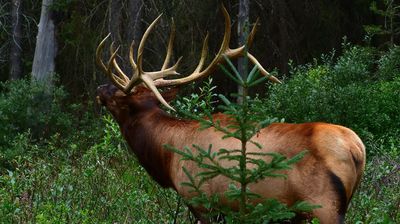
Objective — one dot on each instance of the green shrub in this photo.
(198, 103)
(101, 184)
(389, 64)
(60, 163)
(355, 65)
(378, 197)
(347, 92)
(29, 107)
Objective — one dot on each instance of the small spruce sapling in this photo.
(245, 125)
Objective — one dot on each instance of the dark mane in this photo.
(146, 133)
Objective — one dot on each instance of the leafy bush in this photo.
(29, 108)
(62, 164)
(389, 64)
(198, 103)
(27, 105)
(348, 92)
(378, 198)
(101, 184)
(355, 65)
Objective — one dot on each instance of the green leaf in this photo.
(258, 81)
(258, 145)
(258, 153)
(297, 157)
(229, 151)
(187, 184)
(225, 100)
(191, 179)
(239, 82)
(231, 157)
(304, 206)
(253, 74)
(235, 71)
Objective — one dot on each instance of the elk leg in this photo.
(200, 219)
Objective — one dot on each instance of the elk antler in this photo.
(139, 76)
(152, 80)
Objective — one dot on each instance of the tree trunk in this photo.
(242, 32)
(134, 29)
(125, 25)
(46, 47)
(283, 33)
(16, 40)
(114, 21)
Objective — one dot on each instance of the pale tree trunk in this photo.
(242, 32)
(43, 67)
(16, 40)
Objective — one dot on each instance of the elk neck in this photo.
(146, 132)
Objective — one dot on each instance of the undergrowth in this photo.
(61, 163)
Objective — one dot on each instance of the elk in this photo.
(328, 175)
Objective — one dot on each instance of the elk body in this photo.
(328, 175)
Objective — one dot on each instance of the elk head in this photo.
(122, 105)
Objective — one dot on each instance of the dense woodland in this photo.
(62, 158)
(291, 30)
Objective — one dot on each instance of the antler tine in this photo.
(120, 73)
(98, 54)
(131, 56)
(197, 73)
(115, 79)
(203, 55)
(250, 38)
(262, 70)
(150, 84)
(107, 69)
(142, 42)
(165, 72)
(227, 34)
(222, 50)
(142, 76)
(170, 46)
(135, 73)
(253, 59)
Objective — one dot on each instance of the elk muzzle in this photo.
(104, 93)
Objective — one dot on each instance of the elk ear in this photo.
(170, 94)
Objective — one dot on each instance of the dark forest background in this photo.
(62, 159)
(289, 30)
